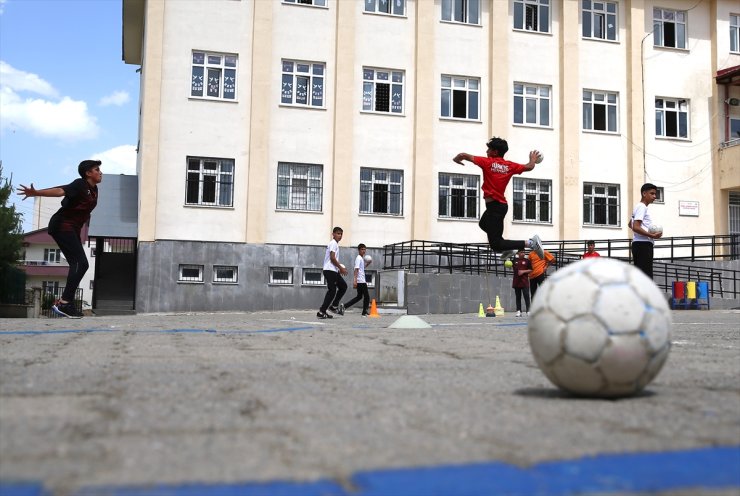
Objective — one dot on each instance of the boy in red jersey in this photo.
(497, 173)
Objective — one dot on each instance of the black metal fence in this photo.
(672, 259)
(49, 296)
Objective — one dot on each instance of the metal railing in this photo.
(672, 257)
(49, 296)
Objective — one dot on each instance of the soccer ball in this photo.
(600, 327)
(508, 264)
(368, 259)
(655, 229)
(540, 158)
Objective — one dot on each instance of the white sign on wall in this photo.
(688, 208)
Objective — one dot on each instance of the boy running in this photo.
(359, 282)
(497, 173)
(333, 270)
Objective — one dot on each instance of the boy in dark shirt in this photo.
(80, 198)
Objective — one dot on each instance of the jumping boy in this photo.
(359, 282)
(497, 173)
(80, 198)
(336, 287)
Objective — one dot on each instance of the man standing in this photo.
(539, 270)
(642, 242)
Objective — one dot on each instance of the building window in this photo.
(601, 204)
(660, 194)
(669, 28)
(532, 15)
(303, 83)
(381, 191)
(600, 111)
(458, 196)
(281, 275)
(299, 186)
(210, 182)
(225, 274)
(465, 11)
(52, 255)
(599, 20)
(672, 118)
(316, 3)
(191, 273)
(393, 7)
(382, 90)
(532, 200)
(734, 128)
(734, 33)
(312, 277)
(460, 97)
(532, 104)
(213, 76)
(50, 287)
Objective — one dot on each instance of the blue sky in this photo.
(65, 93)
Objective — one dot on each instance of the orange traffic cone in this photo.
(373, 309)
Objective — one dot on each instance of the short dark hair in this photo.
(498, 144)
(590, 242)
(87, 165)
(648, 187)
(361, 246)
(337, 229)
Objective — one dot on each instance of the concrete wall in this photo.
(158, 289)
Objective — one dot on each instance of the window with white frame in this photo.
(52, 255)
(382, 90)
(281, 275)
(50, 287)
(316, 3)
(213, 76)
(599, 20)
(299, 186)
(225, 274)
(190, 273)
(210, 182)
(532, 104)
(458, 196)
(601, 204)
(302, 83)
(734, 128)
(532, 200)
(735, 33)
(672, 117)
(312, 277)
(460, 97)
(465, 11)
(392, 7)
(600, 111)
(532, 15)
(659, 194)
(669, 28)
(381, 191)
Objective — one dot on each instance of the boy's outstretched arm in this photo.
(462, 156)
(533, 156)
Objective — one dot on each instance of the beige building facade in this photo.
(267, 122)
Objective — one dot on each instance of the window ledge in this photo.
(297, 211)
(460, 23)
(281, 284)
(190, 282)
(532, 126)
(225, 283)
(531, 223)
(211, 99)
(460, 119)
(311, 6)
(383, 14)
(671, 49)
(532, 31)
(373, 112)
(598, 226)
(217, 207)
(673, 138)
(457, 219)
(304, 107)
(601, 133)
(600, 40)
(385, 216)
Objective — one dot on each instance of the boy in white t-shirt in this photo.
(359, 282)
(642, 242)
(333, 270)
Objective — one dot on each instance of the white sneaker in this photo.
(508, 255)
(518, 313)
(536, 244)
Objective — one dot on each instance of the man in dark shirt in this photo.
(80, 198)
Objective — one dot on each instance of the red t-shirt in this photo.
(497, 173)
(591, 255)
(521, 281)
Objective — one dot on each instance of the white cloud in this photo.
(116, 98)
(64, 118)
(118, 160)
(2, 6)
(18, 80)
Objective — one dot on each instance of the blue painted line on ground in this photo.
(165, 331)
(712, 468)
(55, 331)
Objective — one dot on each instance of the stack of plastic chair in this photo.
(702, 294)
(678, 296)
(691, 294)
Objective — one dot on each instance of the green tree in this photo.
(11, 227)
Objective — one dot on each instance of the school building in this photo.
(264, 123)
